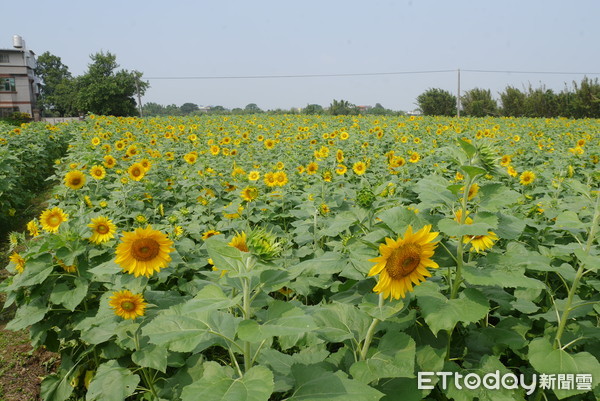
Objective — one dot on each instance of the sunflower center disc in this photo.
(75, 181)
(403, 261)
(144, 249)
(54, 221)
(102, 229)
(128, 306)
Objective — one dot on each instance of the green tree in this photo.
(188, 108)
(513, 102)
(252, 108)
(313, 109)
(541, 102)
(585, 100)
(151, 109)
(437, 102)
(342, 108)
(58, 93)
(103, 90)
(479, 103)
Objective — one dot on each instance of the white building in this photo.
(19, 87)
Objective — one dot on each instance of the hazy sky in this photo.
(241, 38)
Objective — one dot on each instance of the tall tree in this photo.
(342, 107)
(437, 102)
(188, 108)
(252, 108)
(102, 90)
(57, 96)
(313, 109)
(513, 102)
(479, 103)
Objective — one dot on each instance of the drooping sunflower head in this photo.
(481, 242)
(51, 219)
(144, 251)
(127, 304)
(19, 262)
(403, 262)
(103, 230)
(33, 229)
(239, 241)
(75, 179)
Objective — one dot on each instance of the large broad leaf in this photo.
(328, 263)
(547, 360)
(313, 383)
(393, 357)
(282, 319)
(339, 322)
(27, 315)
(455, 229)
(442, 313)
(502, 276)
(151, 356)
(112, 383)
(218, 384)
(69, 296)
(36, 271)
(495, 196)
(399, 218)
(185, 334)
(225, 257)
(57, 387)
(433, 191)
(341, 223)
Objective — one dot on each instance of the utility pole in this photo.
(458, 96)
(137, 87)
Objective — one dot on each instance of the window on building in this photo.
(4, 58)
(7, 85)
(7, 111)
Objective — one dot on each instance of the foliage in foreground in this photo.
(258, 235)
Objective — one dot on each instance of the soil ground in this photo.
(22, 368)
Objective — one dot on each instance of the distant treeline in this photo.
(337, 107)
(580, 101)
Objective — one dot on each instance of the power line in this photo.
(370, 74)
(535, 72)
(307, 75)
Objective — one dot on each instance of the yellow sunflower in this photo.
(341, 169)
(312, 168)
(210, 233)
(270, 180)
(127, 304)
(414, 157)
(75, 179)
(18, 261)
(33, 229)
(103, 229)
(253, 175)
(249, 194)
(98, 172)
(359, 168)
(527, 177)
(239, 241)
(51, 219)
(280, 178)
(404, 262)
(136, 171)
(109, 161)
(481, 242)
(144, 251)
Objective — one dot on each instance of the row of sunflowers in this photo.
(288, 257)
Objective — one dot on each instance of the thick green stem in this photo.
(246, 312)
(573, 290)
(370, 332)
(460, 248)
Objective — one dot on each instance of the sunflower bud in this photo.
(264, 244)
(365, 198)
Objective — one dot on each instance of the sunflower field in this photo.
(307, 258)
